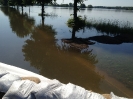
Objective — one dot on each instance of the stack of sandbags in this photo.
(21, 89)
(6, 80)
(16, 87)
(56, 90)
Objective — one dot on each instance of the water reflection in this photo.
(21, 24)
(80, 44)
(89, 9)
(41, 52)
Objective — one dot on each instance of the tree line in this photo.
(40, 2)
(25, 2)
(53, 3)
(115, 7)
(82, 5)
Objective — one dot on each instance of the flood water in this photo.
(34, 43)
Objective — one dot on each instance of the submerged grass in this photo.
(110, 26)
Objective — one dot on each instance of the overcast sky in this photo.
(103, 2)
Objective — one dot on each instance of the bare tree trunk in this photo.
(17, 7)
(43, 21)
(73, 32)
(29, 10)
(22, 10)
(75, 19)
(75, 10)
(42, 9)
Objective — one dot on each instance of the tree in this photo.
(64, 5)
(70, 5)
(90, 6)
(17, 3)
(83, 6)
(43, 2)
(4, 2)
(75, 7)
(28, 2)
(11, 2)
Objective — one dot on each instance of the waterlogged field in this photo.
(101, 63)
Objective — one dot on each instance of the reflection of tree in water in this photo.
(41, 52)
(22, 25)
(78, 43)
(37, 44)
(4, 10)
(86, 53)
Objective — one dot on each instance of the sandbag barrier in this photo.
(13, 86)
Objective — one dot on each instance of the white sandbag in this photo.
(6, 81)
(20, 90)
(71, 91)
(21, 72)
(45, 90)
(3, 72)
(93, 95)
(55, 90)
(116, 97)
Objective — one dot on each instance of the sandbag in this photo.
(93, 95)
(6, 81)
(45, 90)
(55, 90)
(21, 89)
(71, 91)
(3, 72)
(116, 97)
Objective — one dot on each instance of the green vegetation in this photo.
(24, 2)
(53, 3)
(90, 6)
(80, 24)
(83, 6)
(103, 25)
(110, 26)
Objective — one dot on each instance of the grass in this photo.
(110, 26)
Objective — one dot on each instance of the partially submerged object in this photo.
(17, 83)
(78, 43)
